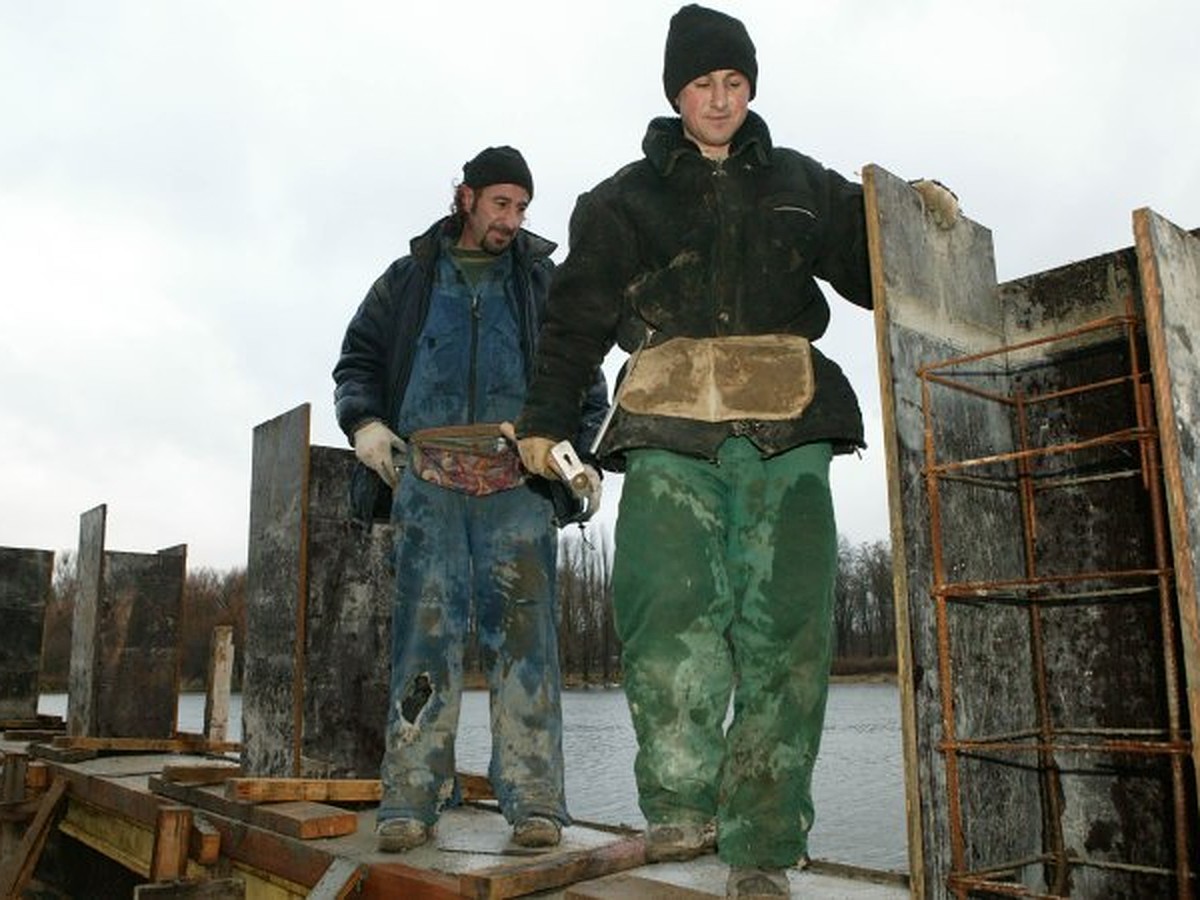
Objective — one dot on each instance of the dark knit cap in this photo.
(498, 165)
(702, 40)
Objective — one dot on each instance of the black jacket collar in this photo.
(665, 144)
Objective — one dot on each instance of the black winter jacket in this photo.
(679, 245)
(373, 370)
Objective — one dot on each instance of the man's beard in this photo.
(489, 243)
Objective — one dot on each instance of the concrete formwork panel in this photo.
(1027, 533)
(315, 689)
(25, 577)
(125, 638)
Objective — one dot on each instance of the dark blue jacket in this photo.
(373, 370)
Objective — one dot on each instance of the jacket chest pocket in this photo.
(790, 232)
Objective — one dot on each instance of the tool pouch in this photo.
(765, 377)
(470, 459)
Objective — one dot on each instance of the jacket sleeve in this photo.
(843, 260)
(568, 393)
(361, 373)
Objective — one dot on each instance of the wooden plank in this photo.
(1169, 265)
(200, 774)
(626, 886)
(25, 577)
(182, 743)
(51, 753)
(213, 889)
(554, 870)
(220, 682)
(275, 790)
(341, 878)
(473, 787)
(172, 838)
(16, 871)
(386, 881)
(276, 591)
(89, 567)
(298, 819)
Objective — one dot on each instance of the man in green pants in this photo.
(699, 260)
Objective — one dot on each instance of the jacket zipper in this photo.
(472, 371)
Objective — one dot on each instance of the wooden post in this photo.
(172, 832)
(220, 679)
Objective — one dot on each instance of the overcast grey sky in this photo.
(194, 197)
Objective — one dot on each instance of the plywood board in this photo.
(1049, 487)
(89, 562)
(25, 577)
(276, 592)
(1169, 263)
(348, 628)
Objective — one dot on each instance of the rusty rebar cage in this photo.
(1084, 460)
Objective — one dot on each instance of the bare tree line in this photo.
(589, 651)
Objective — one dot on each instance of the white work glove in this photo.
(374, 444)
(939, 201)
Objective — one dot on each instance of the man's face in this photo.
(494, 214)
(713, 108)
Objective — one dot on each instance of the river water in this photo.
(857, 785)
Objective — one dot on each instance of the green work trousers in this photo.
(723, 584)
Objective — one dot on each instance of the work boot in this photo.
(677, 842)
(398, 835)
(749, 883)
(536, 831)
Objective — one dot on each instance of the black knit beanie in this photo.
(702, 40)
(498, 165)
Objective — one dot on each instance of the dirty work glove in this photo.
(373, 445)
(594, 490)
(535, 451)
(939, 201)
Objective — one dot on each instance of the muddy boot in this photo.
(398, 835)
(536, 831)
(750, 883)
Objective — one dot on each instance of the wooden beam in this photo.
(276, 790)
(552, 871)
(172, 835)
(18, 869)
(300, 819)
(625, 886)
(181, 743)
(387, 880)
(336, 790)
(341, 878)
(200, 774)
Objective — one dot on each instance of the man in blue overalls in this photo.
(440, 352)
